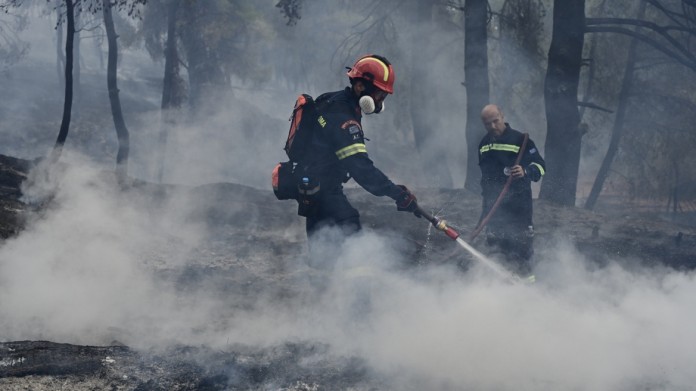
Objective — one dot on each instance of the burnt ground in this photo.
(618, 232)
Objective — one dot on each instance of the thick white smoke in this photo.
(85, 266)
(88, 271)
(579, 327)
(94, 267)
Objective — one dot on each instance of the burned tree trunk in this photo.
(563, 137)
(44, 358)
(67, 104)
(477, 83)
(60, 54)
(172, 91)
(111, 80)
(77, 68)
(172, 88)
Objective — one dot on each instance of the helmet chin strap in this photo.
(368, 106)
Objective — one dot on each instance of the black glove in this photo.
(406, 201)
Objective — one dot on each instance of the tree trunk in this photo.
(111, 81)
(672, 195)
(172, 94)
(60, 54)
(617, 131)
(77, 68)
(477, 84)
(563, 137)
(172, 87)
(67, 103)
(591, 68)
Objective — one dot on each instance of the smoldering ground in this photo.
(101, 265)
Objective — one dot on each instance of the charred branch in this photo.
(681, 55)
(594, 106)
(662, 31)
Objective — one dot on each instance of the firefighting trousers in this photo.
(332, 209)
(517, 247)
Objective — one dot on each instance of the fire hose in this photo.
(441, 224)
(504, 191)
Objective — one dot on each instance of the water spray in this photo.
(441, 224)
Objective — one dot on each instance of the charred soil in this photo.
(261, 262)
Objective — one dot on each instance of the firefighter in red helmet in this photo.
(338, 153)
(378, 77)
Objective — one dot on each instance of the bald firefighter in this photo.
(510, 228)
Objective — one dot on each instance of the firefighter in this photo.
(337, 152)
(510, 228)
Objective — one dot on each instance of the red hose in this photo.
(484, 221)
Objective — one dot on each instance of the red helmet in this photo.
(375, 69)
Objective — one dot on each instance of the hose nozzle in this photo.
(441, 224)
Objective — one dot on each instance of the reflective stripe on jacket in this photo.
(495, 154)
(338, 149)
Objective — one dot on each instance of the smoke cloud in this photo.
(90, 270)
(100, 266)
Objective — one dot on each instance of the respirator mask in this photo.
(372, 102)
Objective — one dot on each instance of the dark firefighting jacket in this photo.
(338, 150)
(495, 154)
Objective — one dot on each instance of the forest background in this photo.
(186, 273)
(205, 88)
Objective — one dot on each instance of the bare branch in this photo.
(652, 42)
(590, 105)
(640, 23)
(676, 17)
(662, 31)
